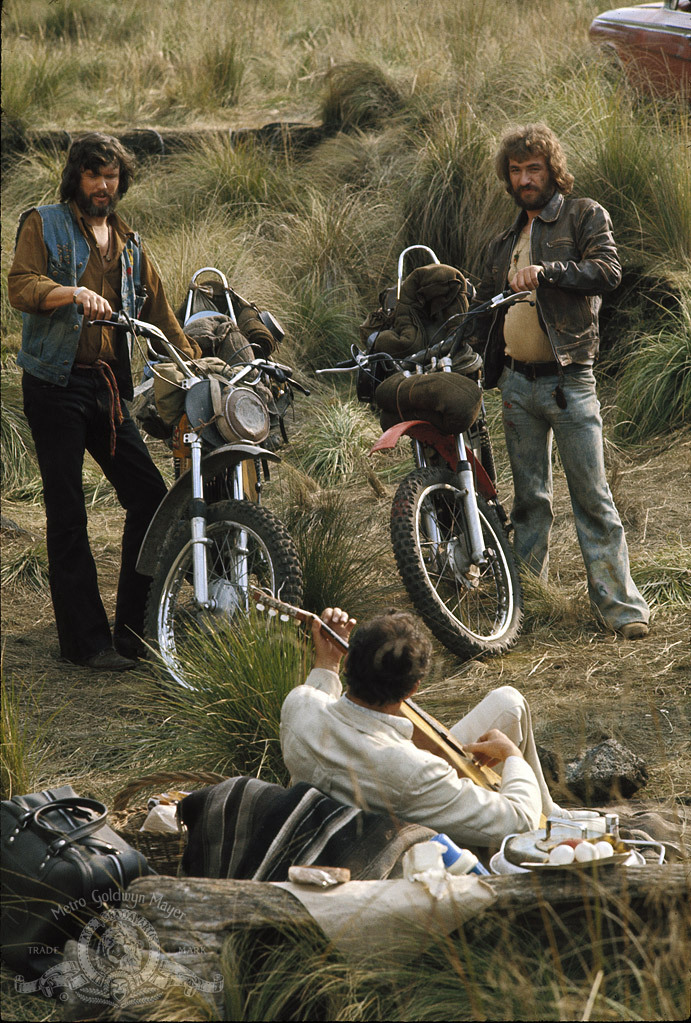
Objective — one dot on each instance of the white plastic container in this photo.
(456, 860)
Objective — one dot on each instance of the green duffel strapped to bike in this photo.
(449, 401)
(169, 392)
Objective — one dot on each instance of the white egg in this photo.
(561, 855)
(585, 852)
(603, 850)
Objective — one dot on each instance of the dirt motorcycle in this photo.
(211, 540)
(449, 531)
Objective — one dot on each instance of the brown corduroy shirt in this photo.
(28, 285)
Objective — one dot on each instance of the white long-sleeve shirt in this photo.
(367, 759)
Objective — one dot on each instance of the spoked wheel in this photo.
(249, 547)
(472, 609)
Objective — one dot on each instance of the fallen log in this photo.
(163, 942)
(183, 925)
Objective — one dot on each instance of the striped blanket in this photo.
(249, 829)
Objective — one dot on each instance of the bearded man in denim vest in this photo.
(540, 354)
(71, 256)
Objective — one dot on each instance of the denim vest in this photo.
(50, 340)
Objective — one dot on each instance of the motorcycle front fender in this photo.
(173, 507)
(444, 444)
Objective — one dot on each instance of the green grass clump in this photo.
(228, 719)
(25, 565)
(321, 326)
(332, 446)
(340, 554)
(654, 386)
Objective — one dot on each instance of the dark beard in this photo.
(537, 200)
(91, 209)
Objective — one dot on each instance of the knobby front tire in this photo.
(250, 547)
(471, 610)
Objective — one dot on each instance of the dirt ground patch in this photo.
(582, 682)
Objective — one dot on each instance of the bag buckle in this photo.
(53, 849)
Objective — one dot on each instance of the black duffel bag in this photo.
(61, 864)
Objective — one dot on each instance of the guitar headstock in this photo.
(266, 601)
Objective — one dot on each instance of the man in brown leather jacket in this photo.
(540, 354)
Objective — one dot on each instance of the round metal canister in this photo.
(243, 415)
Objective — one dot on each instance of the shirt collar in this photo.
(114, 220)
(549, 212)
(372, 720)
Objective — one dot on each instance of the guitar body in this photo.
(429, 734)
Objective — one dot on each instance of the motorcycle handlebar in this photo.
(282, 374)
(447, 346)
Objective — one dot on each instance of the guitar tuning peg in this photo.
(284, 618)
(261, 607)
(272, 612)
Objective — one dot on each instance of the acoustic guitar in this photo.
(428, 733)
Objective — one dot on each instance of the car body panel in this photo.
(653, 42)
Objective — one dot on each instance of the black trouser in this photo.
(66, 421)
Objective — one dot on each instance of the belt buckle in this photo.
(530, 371)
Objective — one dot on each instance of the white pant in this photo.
(507, 710)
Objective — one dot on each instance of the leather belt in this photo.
(533, 370)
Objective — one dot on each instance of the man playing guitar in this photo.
(359, 747)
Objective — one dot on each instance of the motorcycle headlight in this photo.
(241, 415)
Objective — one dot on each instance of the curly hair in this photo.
(530, 140)
(91, 152)
(387, 657)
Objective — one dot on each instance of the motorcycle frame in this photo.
(457, 451)
(186, 496)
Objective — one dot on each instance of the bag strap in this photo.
(49, 831)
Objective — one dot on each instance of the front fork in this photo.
(464, 472)
(198, 538)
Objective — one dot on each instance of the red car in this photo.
(652, 41)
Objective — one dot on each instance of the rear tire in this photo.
(241, 534)
(471, 609)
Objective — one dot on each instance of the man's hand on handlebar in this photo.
(94, 306)
(527, 279)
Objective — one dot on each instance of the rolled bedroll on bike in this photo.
(211, 541)
(449, 531)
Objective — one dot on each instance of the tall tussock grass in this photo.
(25, 746)
(227, 718)
(342, 554)
(654, 385)
(602, 967)
(360, 95)
(454, 203)
(17, 465)
(637, 163)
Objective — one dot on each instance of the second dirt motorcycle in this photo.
(448, 527)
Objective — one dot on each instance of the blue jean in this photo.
(531, 418)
